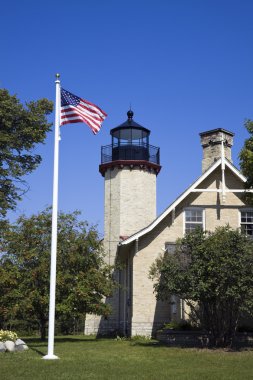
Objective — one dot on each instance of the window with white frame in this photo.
(193, 218)
(247, 222)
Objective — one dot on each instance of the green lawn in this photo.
(88, 358)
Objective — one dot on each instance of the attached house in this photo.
(136, 237)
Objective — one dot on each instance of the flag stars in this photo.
(69, 99)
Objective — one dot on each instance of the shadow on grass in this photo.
(161, 344)
(37, 351)
(60, 340)
(36, 344)
(151, 344)
(158, 344)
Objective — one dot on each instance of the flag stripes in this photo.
(75, 110)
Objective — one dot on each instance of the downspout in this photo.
(125, 298)
(136, 247)
(129, 303)
(223, 184)
(182, 313)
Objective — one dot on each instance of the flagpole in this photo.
(51, 324)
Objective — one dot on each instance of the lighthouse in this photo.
(129, 165)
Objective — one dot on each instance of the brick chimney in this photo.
(211, 143)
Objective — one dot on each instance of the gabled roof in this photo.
(152, 225)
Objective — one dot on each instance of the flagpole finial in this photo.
(57, 76)
(130, 115)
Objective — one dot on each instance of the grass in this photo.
(87, 358)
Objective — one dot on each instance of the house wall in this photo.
(147, 313)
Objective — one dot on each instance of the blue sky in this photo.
(185, 66)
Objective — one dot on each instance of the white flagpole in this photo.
(51, 324)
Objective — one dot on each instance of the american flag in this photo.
(75, 110)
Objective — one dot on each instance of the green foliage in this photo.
(213, 273)
(246, 160)
(83, 279)
(181, 326)
(135, 339)
(140, 338)
(21, 129)
(8, 335)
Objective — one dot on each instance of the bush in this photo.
(23, 327)
(8, 335)
(244, 328)
(181, 326)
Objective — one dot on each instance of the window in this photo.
(170, 247)
(247, 222)
(193, 219)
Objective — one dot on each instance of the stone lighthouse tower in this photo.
(129, 166)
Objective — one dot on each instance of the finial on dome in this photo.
(130, 114)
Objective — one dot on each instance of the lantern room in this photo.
(130, 146)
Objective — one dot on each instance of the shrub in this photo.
(182, 325)
(8, 335)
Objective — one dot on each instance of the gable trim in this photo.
(192, 188)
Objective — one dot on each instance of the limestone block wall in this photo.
(137, 200)
(148, 315)
(130, 204)
(111, 214)
(211, 143)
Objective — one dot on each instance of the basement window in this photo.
(247, 222)
(193, 218)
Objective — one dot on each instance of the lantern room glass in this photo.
(130, 136)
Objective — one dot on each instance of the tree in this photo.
(246, 159)
(83, 279)
(21, 129)
(213, 273)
